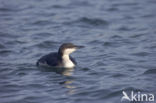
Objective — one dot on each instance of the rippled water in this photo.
(120, 53)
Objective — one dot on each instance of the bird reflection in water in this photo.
(67, 72)
(62, 71)
(68, 83)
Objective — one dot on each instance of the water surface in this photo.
(120, 53)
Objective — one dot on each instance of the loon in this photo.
(61, 58)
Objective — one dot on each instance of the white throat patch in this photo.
(67, 62)
(66, 59)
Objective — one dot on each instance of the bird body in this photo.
(61, 58)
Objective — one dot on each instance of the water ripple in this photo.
(89, 22)
(150, 71)
(119, 54)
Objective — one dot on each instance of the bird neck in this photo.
(63, 56)
(65, 60)
(60, 54)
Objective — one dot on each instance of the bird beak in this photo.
(78, 46)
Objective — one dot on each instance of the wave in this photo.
(150, 71)
(87, 22)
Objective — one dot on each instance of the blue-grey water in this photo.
(119, 55)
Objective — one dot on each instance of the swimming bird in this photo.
(61, 58)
